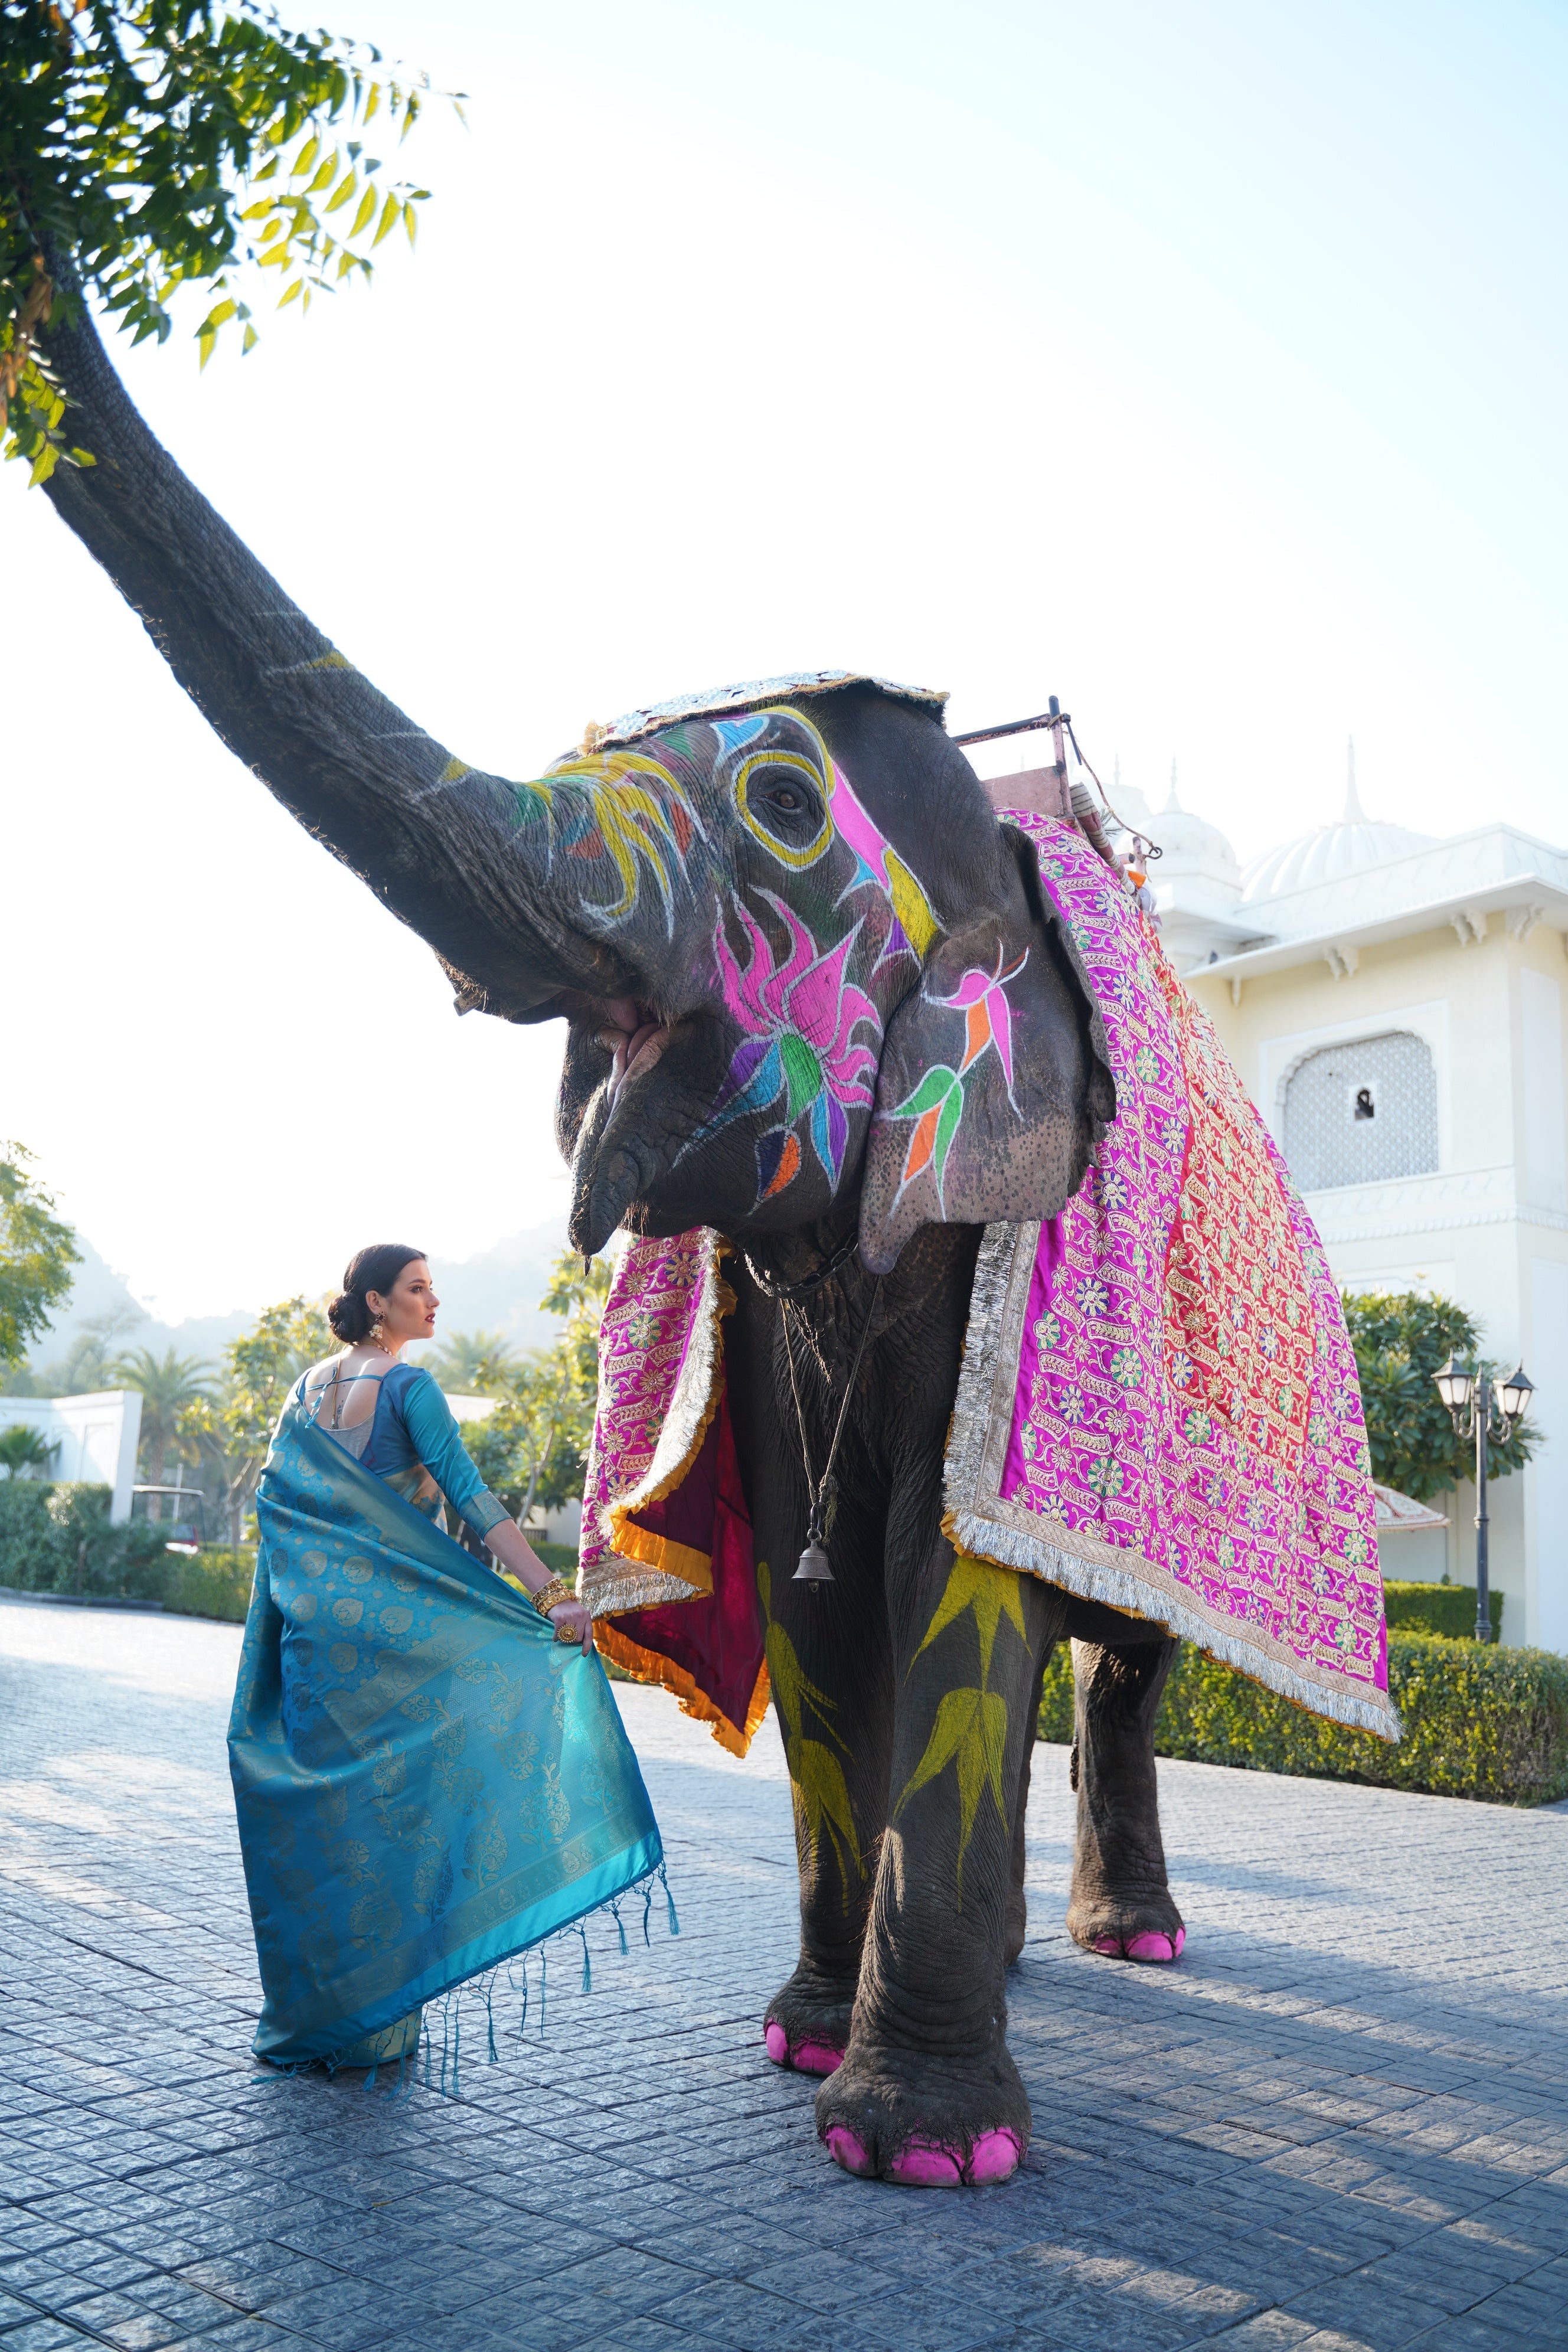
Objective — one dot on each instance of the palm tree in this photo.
(22, 1448)
(474, 1363)
(169, 1384)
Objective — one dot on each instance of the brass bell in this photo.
(815, 1566)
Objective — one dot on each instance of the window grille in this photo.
(1355, 1114)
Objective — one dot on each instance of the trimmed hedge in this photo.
(57, 1538)
(1448, 1608)
(1480, 1721)
(210, 1583)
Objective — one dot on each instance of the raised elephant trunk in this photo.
(436, 840)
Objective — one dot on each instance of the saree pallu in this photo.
(427, 1781)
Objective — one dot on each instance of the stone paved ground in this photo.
(1341, 2122)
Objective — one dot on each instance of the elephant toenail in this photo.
(1110, 1945)
(845, 2148)
(921, 2166)
(995, 2156)
(1180, 1939)
(778, 2042)
(815, 2057)
(1151, 1946)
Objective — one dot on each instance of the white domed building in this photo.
(1394, 1004)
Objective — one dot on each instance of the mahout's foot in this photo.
(807, 2023)
(1148, 1927)
(922, 2121)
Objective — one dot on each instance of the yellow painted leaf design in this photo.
(975, 1583)
(955, 1721)
(823, 1797)
(790, 1688)
(971, 1729)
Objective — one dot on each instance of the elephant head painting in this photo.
(959, 1261)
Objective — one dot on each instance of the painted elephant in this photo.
(816, 997)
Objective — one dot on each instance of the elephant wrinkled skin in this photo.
(813, 991)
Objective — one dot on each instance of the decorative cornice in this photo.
(1452, 1200)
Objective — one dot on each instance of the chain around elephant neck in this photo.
(782, 1292)
(817, 1490)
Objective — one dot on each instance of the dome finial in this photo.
(1354, 813)
(1172, 806)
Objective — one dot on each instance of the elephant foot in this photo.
(924, 2122)
(1149, 1929)
(808, 2024)
(807, 2056)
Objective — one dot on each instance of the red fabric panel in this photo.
(716, 1638)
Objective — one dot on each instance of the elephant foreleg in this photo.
(1121, 1903)
(928, 2094)
(832, 1684)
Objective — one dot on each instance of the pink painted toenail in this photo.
(1111, 1945)
(778, 2042)
(815, 2057)
(1180, 1939)
(1150, 1947)
(846, 2148)
(923, 2167)
(994, 2157)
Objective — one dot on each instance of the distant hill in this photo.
(499, 1290)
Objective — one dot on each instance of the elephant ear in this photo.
(995, 1080)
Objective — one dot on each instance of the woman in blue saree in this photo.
(430, 1773)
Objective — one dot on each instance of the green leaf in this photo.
(410, 222)
(251, 340)
(933, 1089)
(388, 222)
(306, 157)
(947, 1121)
(341, 193)
(367, 207)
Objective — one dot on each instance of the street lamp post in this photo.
(1476, 1409)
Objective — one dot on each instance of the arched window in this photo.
(1354, 1114)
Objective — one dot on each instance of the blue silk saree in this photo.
(427, 1781)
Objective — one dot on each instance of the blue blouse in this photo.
(413, 1444)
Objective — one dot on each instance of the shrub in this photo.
(1480, 1721)
(58, 1539)
(210, 1583)
(1448, 1608)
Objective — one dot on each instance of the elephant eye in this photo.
(780, 802)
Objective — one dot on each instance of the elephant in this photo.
(764, 925)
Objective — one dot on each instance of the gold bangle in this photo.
(550, 1596)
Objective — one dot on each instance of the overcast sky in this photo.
(1204, 365)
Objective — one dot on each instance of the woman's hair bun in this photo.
(349, 1316)
(376, 1268)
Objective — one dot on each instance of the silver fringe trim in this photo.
(977, 1438)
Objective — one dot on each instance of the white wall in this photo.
(1540, 1021)
(95, 1438)
(1547, 1478)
